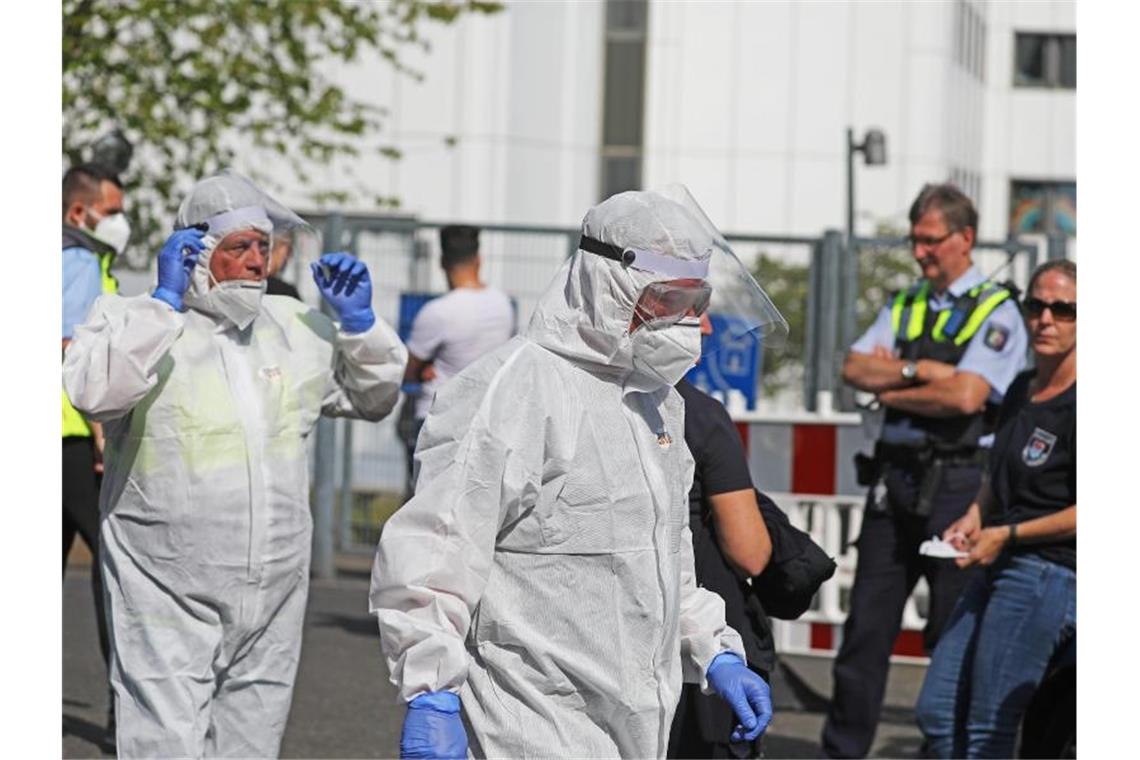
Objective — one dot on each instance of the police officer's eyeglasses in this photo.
(1063, 311)
(928, 242)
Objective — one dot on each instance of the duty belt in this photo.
(921, 456)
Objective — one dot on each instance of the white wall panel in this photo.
(747, 102)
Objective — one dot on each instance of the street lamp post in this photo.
(874, 150)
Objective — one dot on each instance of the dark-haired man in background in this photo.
(452, 331)
(94, 232)
(939, 356)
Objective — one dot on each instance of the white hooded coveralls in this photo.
(205, 524)
(544, 568)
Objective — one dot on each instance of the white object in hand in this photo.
(936, 547)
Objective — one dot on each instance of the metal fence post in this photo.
(1033, 252)
(324, 470)
(572, 241)
(1057, 247)
(827, 331)
(848, 315)
(420, 253)
(345, 485)
(811, 326)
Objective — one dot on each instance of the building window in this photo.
(626, 14)
(1049, 207)
(980, 58)
(968, 182)
(624, 96)
(969, 39)
(1045, 60)
(625, 84)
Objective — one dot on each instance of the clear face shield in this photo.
(739, 310)
(295, 244)
(293, 250)
(699, 273)
(229, 202)
(683, 269)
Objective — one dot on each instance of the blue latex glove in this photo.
(746, 692)
(433, 728)
(176, 261)
(344, 282)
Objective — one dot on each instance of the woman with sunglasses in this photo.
(1010, 623)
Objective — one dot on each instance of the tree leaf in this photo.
(182, 78)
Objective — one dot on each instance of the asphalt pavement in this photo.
(344, 706)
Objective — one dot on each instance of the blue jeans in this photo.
(995, 650)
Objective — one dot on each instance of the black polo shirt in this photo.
(1033, 466)
(721, 464)
(721, 467)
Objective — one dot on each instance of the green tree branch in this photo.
(180, 78)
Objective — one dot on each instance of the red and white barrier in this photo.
(804, 462)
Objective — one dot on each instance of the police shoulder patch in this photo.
(1038, 447)
(996, 337)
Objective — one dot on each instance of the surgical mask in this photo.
(667, 353)
(239, 301)
(114, 230)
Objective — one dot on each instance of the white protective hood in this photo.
(585, 314)
(228, 202)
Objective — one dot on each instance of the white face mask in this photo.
(239, 301)
(667, 353)
(114, 230)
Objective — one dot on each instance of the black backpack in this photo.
(797, 569)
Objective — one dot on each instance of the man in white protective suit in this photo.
(207, 389)
(536, 596)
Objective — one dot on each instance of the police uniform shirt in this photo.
(82, 284)
(996, 352)
(1033, 467)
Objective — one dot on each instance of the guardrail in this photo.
(834, 523)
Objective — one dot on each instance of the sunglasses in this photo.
(1063, 311)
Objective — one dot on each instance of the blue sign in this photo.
(730, 360)
(410, 305)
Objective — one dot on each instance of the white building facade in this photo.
(533, 114)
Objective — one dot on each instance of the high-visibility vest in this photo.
(922, 333)
(957, 324)
(73, 422)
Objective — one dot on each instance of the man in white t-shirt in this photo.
(452, 331)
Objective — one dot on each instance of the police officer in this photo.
(939, 356)
(95, 230)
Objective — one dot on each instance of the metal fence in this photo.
(359, 467)
(834, 522)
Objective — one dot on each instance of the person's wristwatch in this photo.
(909, 372)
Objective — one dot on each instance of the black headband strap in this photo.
(622, 256)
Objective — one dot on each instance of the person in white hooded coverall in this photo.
(205, 520)
(540, 582)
